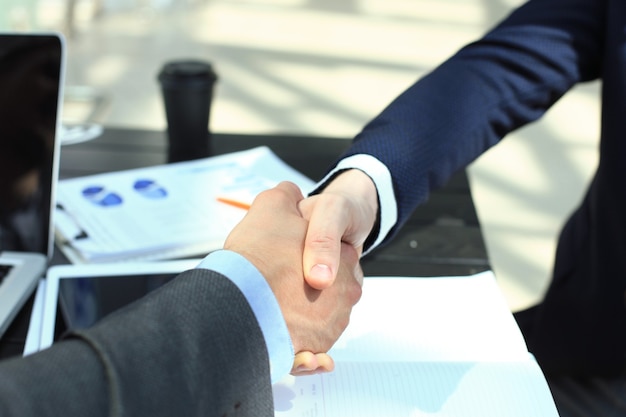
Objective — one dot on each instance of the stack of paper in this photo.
(165, 211)
(425, 347)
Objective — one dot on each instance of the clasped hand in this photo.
(272, 237)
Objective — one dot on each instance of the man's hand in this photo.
(344, 212)
(271, 236)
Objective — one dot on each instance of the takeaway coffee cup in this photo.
(187, 88)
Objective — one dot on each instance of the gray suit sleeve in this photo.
(191, 348)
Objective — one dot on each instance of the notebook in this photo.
(31, 81)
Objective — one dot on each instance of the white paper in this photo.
(442, 346)
(431, 319)
(163, 210)
(455, 389)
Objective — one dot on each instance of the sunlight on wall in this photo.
(525, 188)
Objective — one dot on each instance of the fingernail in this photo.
(303, 368)
(321, 272)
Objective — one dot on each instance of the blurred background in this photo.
(325, 67)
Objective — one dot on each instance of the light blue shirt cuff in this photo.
(263, 303)
(380, 175)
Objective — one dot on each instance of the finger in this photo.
(309, 363)
(325, 363)
(322, 245)
(291, 190)
(270, 211)
(285, 195)
(303, 362)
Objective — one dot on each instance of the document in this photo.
(444, 346)
(166, 211)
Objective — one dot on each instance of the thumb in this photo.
(320, 258)
(322, 244)
(329, 222)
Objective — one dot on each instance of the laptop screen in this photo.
(30, 79)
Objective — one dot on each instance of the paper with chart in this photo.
(425, 347)
(164, 211)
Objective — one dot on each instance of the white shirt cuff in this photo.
(263, 303)
(380, 175)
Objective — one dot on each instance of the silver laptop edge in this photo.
(15, 292)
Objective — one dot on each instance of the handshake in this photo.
(308, 250)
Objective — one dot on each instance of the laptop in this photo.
(31, 81)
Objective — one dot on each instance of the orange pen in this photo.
(234, 203)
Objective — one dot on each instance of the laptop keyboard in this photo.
(4, 271)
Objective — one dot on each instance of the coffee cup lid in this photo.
(187, 70)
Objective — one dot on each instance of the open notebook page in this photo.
(442, 318)
(425, 346)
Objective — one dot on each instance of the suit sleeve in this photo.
(489, 88)
(191, 348)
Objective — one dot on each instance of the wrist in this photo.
(360, 190)
(358, 186)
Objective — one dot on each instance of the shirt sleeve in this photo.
(380, 175)
(263, 303)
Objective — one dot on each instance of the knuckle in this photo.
(355, 293)
(323, 243)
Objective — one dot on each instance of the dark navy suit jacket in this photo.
(491, 87)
